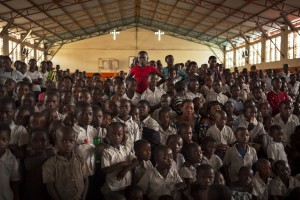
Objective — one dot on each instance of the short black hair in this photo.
(204, 167)
(38, 131)
(212, 57)
(274, 128)
(5, 128)
(61, 131)
(284, 102)
(53, 93)
(173, 136)
(112, 125)
(162, 111)
(80, 106)
(208, 140)
(130, 189)
(145, 102)
(7, 100)
(158, 149)
(180, 85)
(130, 80)
(183, 126)
(240, 129)
(139, 144)
(277, 164)
(191, 146)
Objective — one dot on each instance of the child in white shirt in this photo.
(275, 149)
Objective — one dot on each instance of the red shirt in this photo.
(274, 99)
(141, 77)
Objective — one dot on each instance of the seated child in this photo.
(174, 142)
(117, 161)
(145, 118)
(281, 186)
(193, 90)
(265, 109)
(275, 149)
(162, 179)
(219, 178)
(21, 116)
(131, 93)
(205, 178)
(209, 146)
(133, 192)
(33, 179)
(65, 174)
(119, 89)
(165, 103)
(221, 132)
(9, 172)
(207, 87)
(165, 128)
(242, 188)
(84, 96)
(239, 155)
(142, 149)
(238, 104)
(217, 94)
(261, 180)
(186, 133)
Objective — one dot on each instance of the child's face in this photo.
(84, 97)
(97, 118)
(265, 170)
(165, 102)
(115, 135)
(164, 118)
(120, 90)
(257, 93)
(85, 116)
(220, 119)
(152, 80)
(188, 109)
(144, 110)
(250, 112)
(37, 122)
(277, 135)
(246, 176)
(235, 92)
(194, 86)
(242, 137)
(68, 120)
(186, 135)
(229, 107)
(217, 87)
(27, 101)
(210, 148)
(209, 81)
(283, 170)
(173, 73)
(22, 117)
(195, 155)
(265, 110)
(286, 110)
(205, 178)
(284, 87)
(219, 179)
(175, 144)
(21, 90)
(6, 113)
(106, 120)
(213, 110)
(51, 102)
(124, 108)
(135, 114)
(66, 142)
(276, 84)
(10, 85)
(39, 142)
(131, 86)
(125, 134)
(144, 153)
(164, 159)
(4, 140)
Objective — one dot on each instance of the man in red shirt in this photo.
(276, 96)
(142, 71)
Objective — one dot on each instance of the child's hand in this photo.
(122, 174)
(222, 147)
(180, 186)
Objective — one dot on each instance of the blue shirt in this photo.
(180, 72)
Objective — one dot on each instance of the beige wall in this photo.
(84, 55)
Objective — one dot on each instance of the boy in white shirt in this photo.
(262, 179)
(145, 118)
(217, 95)
(35, 76)
(165, 128)
(209, 146)
(275, 149)
(193, 88)
(152, 94)
(131, 93)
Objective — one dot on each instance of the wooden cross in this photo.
(115, 33)
(159, 33)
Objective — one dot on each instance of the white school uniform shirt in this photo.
(235, 161)
(276, 151)
(225, 89)
(154, 185)
(135, 99)
(284, 75)
(155, 114)
(178, 163)
(164, 134)
(9, 171)
(213, 96)
(215, 161)
(112, 156)
(268, 82)
(14, 75)
(34, 75)
(277, 187)
(141, 169)
(19, 135)
(294, 89)
(188, 172)
(288, 128)
(85, 144)
(191, 95)
(44, 77)
(256, 131)
(149, 122)
(153, 97)
(205, 90)
(260, 188)
(225, 136)
(133, 128)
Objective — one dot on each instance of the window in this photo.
(255, 53)
(240, 56)
(229, 59)
(272, 51)
(39, 55)
(293, 45)
(16, 54)
(1, 46)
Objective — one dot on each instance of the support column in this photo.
(5, 44)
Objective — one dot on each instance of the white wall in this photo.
(84, 55)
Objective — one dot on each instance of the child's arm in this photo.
(134, 163)
(115, 167)
(86, 186)
(52, 191)
(15, 189)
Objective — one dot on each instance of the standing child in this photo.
(131, 93)
(51, 102)
(65, 174)
(174, 142)
(261, 180)
(9, 171)
(117, 161)
(163, 179)
(275, 148)
(239, 155)
(142, 149)
(209, 147)
(165, 128)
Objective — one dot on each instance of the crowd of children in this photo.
(181, 132)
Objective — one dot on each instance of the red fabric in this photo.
(274, 99)
(140, 75)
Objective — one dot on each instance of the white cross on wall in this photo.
(159, 33)
(115, 33)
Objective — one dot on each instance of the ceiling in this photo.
(213, 22)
